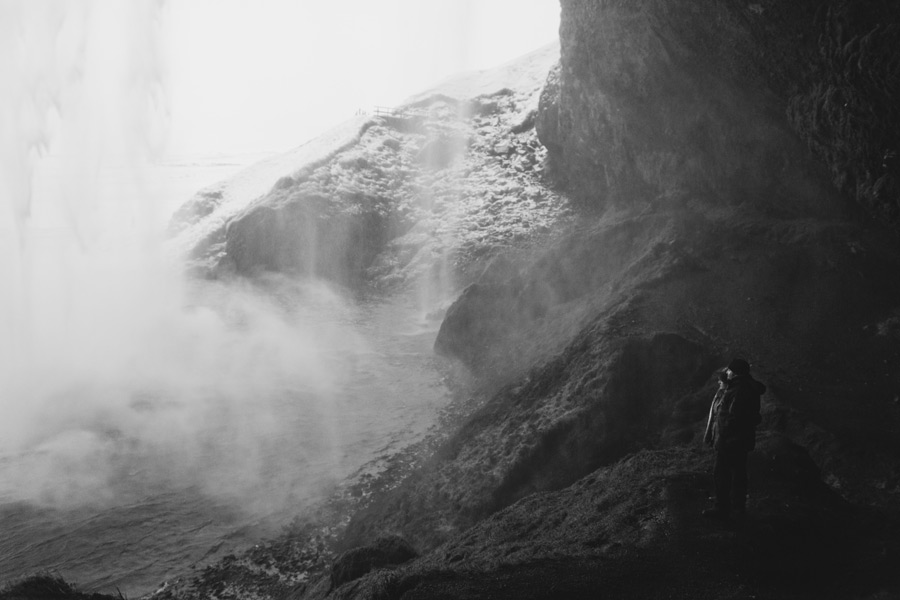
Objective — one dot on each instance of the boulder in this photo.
(386, 551)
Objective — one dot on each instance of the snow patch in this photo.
(234, 194)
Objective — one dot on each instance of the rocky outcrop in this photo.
(664, 98)
(302, 232)
(723, 231)
(384, 552)
(47, 587)
(801, 298)
(428, 199)
(327, 221)
(634, 530)
(721, 225)
(425, 195)
(603, 397)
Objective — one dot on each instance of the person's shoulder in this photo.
(749, 384)
(758, 386)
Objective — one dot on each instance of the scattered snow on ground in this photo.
(234, 194)
(525, 74)
(227, 198)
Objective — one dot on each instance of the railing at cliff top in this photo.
(402, 119)
(403, 112)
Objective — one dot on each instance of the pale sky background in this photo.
(267, 75)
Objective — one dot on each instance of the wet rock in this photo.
(387, 551)
(503, 149)
(307, 235)
(527, 123)
(615, 525)
(285, 183)
(475, 322)
(441, 152)
(546, 123)
(47, 587)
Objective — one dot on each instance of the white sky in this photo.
(260, 75)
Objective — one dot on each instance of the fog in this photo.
(130, 382)
(118, 376)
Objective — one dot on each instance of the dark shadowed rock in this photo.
(47, 587)
(603, 397)
(547, 119)
(474, 322)
(386, 551)
(308, 234)
(634, 530)
(693, 97)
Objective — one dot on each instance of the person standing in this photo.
(731, 431)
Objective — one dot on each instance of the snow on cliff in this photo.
(526, 73)
(213, 206)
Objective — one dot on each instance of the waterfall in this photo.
(83, 92)
(111, 362)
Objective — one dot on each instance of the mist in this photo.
(117, 375)
(139, 389)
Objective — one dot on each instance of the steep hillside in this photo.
(713, 179)
(715, 221)
(421, 196)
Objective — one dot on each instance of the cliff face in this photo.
(669, 98)
(423, 197)
(724, 229)
(727, 160)
(727, 200)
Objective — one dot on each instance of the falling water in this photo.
(149, 421)
(80, 252)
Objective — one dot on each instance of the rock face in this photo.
(303, 232)
(389, 551)
(702, 142)
(420, 200)
(633, 530)
(328, 221)
(661, 97)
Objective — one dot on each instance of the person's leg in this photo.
(739, 482)
(722, 474)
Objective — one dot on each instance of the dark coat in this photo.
(734, 415)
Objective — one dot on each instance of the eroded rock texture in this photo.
(721, 189)
(662, 98)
